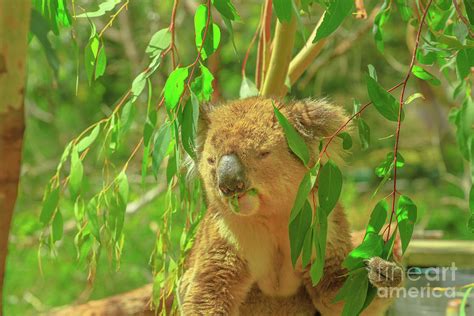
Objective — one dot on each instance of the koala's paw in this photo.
(383, 274)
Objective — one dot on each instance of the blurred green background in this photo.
(434, 176)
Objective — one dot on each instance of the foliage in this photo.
(166, 118)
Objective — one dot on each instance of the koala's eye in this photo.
(211, 160)
(263, 154)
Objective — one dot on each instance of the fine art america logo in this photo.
(434, 274)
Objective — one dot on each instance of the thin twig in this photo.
(400, 109)
(263, 52)
(112, 18)
(274, 83)
(172, 31)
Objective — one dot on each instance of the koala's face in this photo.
(246, 164)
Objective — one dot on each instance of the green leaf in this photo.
(118, 210)
(406, 218)
(76, 174)
(138, 85)
(427, 59)
(89, 139)
(90, 54)
(413, 97)
(123, 187)
(425, 75)
(283, 10)
(307, 248)
(303, 190)
(104, 7)
(160, 147)
(226, 9)
(330, 185)
(151, 117)
(346, 140)
(174, 87)
(189, 126)
(358, 286)
(384, 169)
(248, 88)
(333, 17)
(160, 41)
(469, 10)
(372, 72)
(388, 247)
(371, 294)
(379, 22)
(101, 62)
(464, 62)
(377, 218)
(298, 229)
(95, 59)
(405, 9)
(213, 36)
(464, 120)
(372, 246)
(320, 231)
(295, 140)
(40, 28)
(54, 12)
(57, 227)
(228, 25)
(50, 203)
(364, 133)
(383, 101)
(93, 220)
(202, 85)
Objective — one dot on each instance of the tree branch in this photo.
(274, 83)
(306, 56)
(14, 28)
(263, 52)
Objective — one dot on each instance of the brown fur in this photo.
(241, 264)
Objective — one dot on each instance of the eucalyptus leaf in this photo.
(406, 218)
(425, 75)
(330, 186)
(294, 139)
(298, 229)
(174, 87)
(364, 133)
(50, 203)
(160, 41)
(283, 10)
(76, 173)
(333, 17)
(383, 101)
(212, 33)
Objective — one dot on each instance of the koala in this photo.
(240, 262)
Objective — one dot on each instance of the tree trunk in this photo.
(14, 26)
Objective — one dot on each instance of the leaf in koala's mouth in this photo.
(252, 192)
(234, 204)
(234, 201)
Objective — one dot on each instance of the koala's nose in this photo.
(230, 175)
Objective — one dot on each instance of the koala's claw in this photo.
(383, 273)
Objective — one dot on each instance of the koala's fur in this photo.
(241, 264)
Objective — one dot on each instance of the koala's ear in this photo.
(316, 118)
